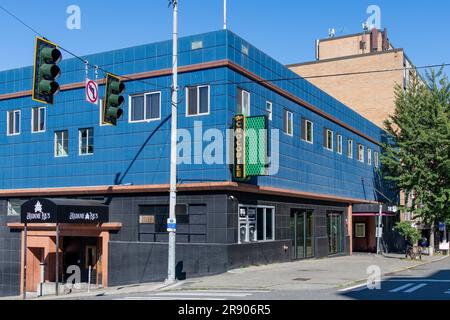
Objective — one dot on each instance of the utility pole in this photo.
(379, 229)
(225, 14)
(173, 149)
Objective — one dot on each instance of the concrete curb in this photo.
(361, 282)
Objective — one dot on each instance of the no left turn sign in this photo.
(92, 92)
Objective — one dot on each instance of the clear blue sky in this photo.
(286, 30)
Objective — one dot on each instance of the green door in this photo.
(335, 233)
(302, 233)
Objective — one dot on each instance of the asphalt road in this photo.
(425, 282)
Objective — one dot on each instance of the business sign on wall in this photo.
(250, 147)
(66, 211)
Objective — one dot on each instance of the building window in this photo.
(198, 101)
(288, 122)
(256, 224)
(86, 141)
(307, 131)
(369, 157)
(38, 119)
(328, 139)
(14, 207)
(360, 153)
(244, 49)
(377, 159)
(360, 230)
(243, 102)
(61, 143)
(269, 110)
(195, 45)
(339, 144)
(13, 122)
(350, 148)
(145, 107)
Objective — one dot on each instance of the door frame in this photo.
(304, 213)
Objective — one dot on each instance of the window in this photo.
(328, 139)
(307, 131)
(195, 45)
(256, 224)
(243, 102)
(145, 107)
(38, 119)
(14, 207)
(13, 122)
(61, 143)
(350, 148)
(369, 157)
(288, 122)
(198, 101)
(377, 159)
(86, 141)
(360, 230)
(269, 110)
(339, 144)
(360, 153)
(244, 49)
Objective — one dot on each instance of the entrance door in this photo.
(302, 231)
(35, 256)
(335, 233)
(81, 252)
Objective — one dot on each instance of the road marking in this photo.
(406, 286)
(417, 280)
(203, 294)
(413, 289)
(359, 287)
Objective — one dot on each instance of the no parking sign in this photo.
(92, 91)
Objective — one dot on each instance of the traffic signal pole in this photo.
(173, 149)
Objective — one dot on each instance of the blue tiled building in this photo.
(328, 161)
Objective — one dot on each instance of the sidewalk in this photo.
(319, 274)
(308, 274)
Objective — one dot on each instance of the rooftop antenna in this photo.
(225, 14)
(331, 32)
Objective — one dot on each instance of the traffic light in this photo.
(113, 100)
(46, 71)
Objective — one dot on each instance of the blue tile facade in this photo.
(138, 153)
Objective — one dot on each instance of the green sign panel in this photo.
(251, 141)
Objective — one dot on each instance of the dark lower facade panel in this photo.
(216, 232)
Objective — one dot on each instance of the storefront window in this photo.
(256, 224)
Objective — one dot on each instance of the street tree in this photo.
(416, 155)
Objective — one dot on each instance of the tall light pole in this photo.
(173, 149)
(225, 14)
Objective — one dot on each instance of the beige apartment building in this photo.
(359, 63)
(362, 71)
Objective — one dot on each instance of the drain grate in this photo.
(301, 279)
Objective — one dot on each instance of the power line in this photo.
(76, 56)
(216, 83)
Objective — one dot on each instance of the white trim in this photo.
(130, 107)
(87, 142)
(286, 119)
(55, 144)
(8, 124)
(369, 156)
(39, 118)
(306, 132)
(377, 160)
(360, 153)
(198, 101)
(350, 154)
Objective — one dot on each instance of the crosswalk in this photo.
(199, 295)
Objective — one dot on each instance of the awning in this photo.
(69, 211)
(372, 214)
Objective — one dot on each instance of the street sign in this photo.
(441, 226)
(91, 91)
(393, 209)
(444, 246)
(379, 232)
(171, 225)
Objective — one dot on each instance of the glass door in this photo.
(302, 231)
(335, 233)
